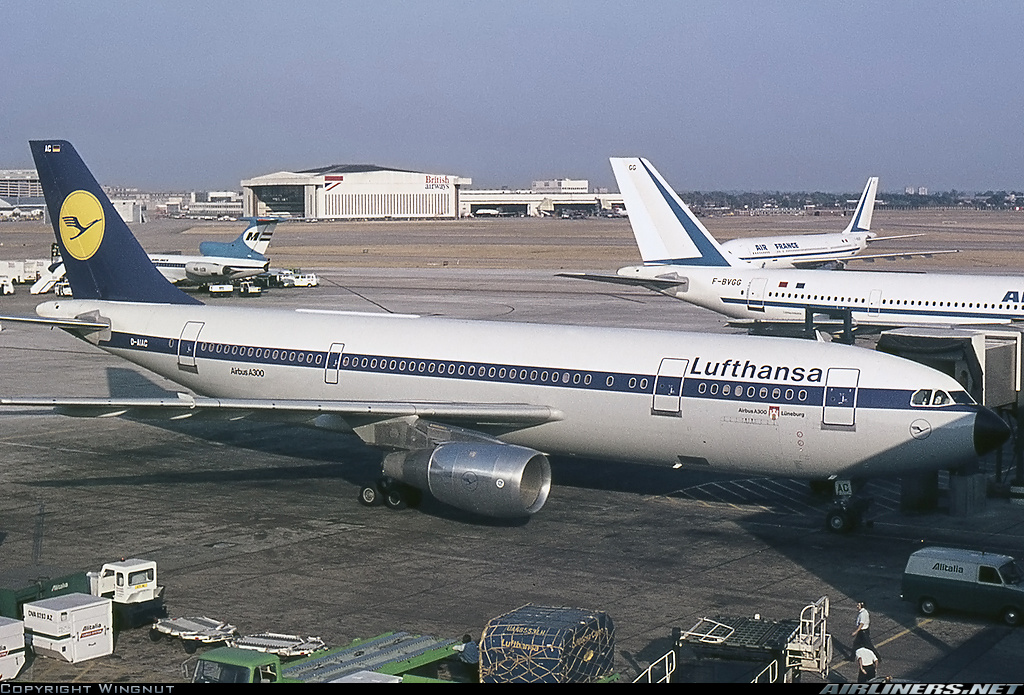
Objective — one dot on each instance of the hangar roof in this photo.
(352, 169)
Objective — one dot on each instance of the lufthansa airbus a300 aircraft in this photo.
(469, 410)
(689, 264)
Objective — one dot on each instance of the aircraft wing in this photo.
(656, 284)
(872, 257)
(876, 239)
(352, 412)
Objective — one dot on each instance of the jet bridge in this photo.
(986, 360)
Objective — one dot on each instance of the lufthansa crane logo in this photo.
(81, 224)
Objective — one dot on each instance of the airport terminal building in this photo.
(369, 192)
(353, 191)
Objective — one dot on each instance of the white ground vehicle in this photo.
(247, 288)
(221, 290)
(307, 280)
(131, 585)
(6, 286)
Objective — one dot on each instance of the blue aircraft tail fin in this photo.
(102, 257)
(251, 243)
(861, 221)
(665, 229)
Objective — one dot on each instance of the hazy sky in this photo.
(735, 95)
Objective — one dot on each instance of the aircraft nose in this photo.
(989, 431)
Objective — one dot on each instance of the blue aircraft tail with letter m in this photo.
(252, 243)
(666, 231)
(101, 255)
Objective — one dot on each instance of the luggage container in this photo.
(541, 644)
(27, 584)
(75, 627)
(12, 647)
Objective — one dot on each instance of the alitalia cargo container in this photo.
(74, 627)
(12, 647)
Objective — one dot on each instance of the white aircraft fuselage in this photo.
(872, 298)
(798, 249)
(770, 406)
(205, 269)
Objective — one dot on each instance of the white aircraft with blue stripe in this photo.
(222, 261)
(470, 410)
(812, 250)
(683, 260)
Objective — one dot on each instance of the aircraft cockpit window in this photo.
(921, 397)
(941, 398)
(962, 398)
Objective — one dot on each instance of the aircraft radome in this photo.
(470, 410)
(695, 269)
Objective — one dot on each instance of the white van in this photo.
(965, 580)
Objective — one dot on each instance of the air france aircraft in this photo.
(470, 410)
(692, 266)
(805, 250)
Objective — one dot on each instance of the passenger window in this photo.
(941, 398)
(921, 397)
(988, 575)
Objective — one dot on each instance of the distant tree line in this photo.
(721, 201)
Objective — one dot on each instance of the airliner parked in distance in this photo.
(802, 250)
(829, 250)
(220, 261)
(469, 410)
(697, 270)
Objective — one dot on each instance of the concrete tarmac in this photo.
(258, 524)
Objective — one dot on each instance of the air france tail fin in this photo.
(102, 258)
(666, 231)
(252, 243)
(861, 221)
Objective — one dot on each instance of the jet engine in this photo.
(492, 479)
(204, 271)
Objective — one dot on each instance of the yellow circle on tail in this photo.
(81, 224)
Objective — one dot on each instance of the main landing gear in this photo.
(391, 493)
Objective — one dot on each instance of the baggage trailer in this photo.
(74, 627)
(731, 649)
(193, 631)
(392, 655)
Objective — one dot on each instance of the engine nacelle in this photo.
(499, 480)
(203, 271)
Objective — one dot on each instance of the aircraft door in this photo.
(187, 346)
(668, 387)
(333, 363)
(840, 407)
(755, 294)
(874, 302)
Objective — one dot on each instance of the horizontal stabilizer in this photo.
(653, 283)
(69, 324)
